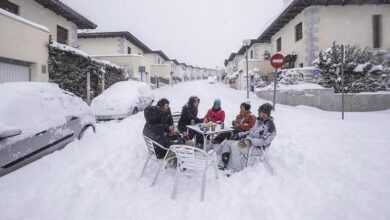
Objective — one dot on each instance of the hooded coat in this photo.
(157, 128)
(188, 113)
(262, 133)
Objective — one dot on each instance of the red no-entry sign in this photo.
(277, 60)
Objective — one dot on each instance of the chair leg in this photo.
(174, 192)
(248, 157)
(146, 163)
(203, 189)
(159, 169)
(216, 166)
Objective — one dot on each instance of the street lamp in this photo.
(246, 43)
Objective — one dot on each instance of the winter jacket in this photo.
(262, 133)
(215, 115)
(157, 128)
(245, 121)
(188, 113)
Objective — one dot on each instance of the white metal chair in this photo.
(193, 162)
(263, 156)
(150, 144)
(176, 117)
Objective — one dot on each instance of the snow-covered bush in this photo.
(364, 70)
(68, 67)
(290, 77)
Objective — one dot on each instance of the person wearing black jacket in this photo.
(189, 112)
(159, 128)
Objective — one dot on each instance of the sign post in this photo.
(277, 61)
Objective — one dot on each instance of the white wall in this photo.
(108, 46)
(349, 24)
(24, 42)
(35, 12)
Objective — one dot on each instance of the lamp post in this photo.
(246, 44)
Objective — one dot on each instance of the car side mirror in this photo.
(9, 132)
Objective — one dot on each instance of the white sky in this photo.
(198, 32)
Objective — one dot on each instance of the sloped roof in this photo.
(65, 11)
(297, 6)
(124, 34)
(162, 54)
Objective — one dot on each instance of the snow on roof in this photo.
(23, 20)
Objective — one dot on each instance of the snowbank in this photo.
(301, 86)
(325, 169)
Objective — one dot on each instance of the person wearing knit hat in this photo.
(215, 114)
(245, 120)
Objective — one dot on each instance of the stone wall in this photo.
(327, 100)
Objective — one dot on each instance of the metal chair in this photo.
(193, 162)
(151, 144)
(263, 156)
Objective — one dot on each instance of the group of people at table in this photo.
(247, 130)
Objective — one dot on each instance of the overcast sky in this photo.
(198, 32)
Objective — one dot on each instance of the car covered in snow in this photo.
(212, 79)
(122, 100)
(37, 119)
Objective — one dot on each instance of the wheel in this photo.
(89, 129)
(135, 111)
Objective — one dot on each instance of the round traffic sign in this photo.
(277, 60)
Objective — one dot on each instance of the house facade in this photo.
(26, 29)
(121, 48)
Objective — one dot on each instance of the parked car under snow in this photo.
(37, 119)
(212, 79)
(122, 100)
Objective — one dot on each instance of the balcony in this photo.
(263, 66)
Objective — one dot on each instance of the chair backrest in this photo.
(176, 117)
(189, 157)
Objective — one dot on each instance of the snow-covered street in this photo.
(325, 168)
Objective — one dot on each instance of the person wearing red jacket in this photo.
(215, 114)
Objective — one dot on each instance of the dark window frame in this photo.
(62, 35)
(10, 7)
(279, 44)
(298, 32)
(128, 50)
(251, 54)
(377, 31)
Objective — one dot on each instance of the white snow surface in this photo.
(23, 20)
(34, 106)
(120, 98)
(300, 86)
(325, 168)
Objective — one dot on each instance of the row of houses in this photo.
(27, 26)
(304, 28)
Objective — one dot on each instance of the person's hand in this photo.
(172, 133)
(235, 137)
(205, 120)
(171, 128)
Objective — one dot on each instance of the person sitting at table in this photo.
(215, 114)
(245, 120)
(189, 113)
(159, 128)
(260, 136)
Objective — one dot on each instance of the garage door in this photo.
(14, 73)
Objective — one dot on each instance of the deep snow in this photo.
(325, 169)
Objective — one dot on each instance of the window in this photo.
(279, 44)
(251, 56)
(301, 65)
(9, 6)
(377, 30)
(158, 61)
(62, 35)
(128, 50)
(298, 32)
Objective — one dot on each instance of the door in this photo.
(14, 73)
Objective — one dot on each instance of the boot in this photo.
(225, 159)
